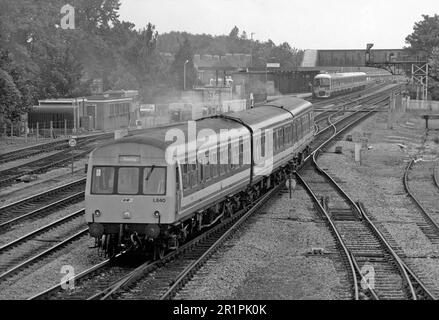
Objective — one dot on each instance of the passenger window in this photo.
(263, 145)
(206, 167)
(292, 133)
(102, 180)
(281, 138)
(201, 173)
(241, 152)
(128, 181)
(223, 161)
(213, 163)
(231, 156)
(295, 132)
(235, 155)
(177, 179)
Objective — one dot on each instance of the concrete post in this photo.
(358, 152)
(65, 127)
(389, 115)
(38, 131)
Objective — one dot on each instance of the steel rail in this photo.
(43, 254)
(355, 206)
(84, 275)
(41, 230)
(424, 212)
(139, 272)
(410, 274)
(189, 271)
(340, 240)
(17, 206)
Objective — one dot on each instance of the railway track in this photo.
(322, 120)
(41, 204)
(91, 282)
(9, 176)
(377, 271)
(354, 95)
(38, 244)
(421, 188)
(163, 278)
(421, 184)
(152, 279)
(84, 147)
(38, 149)
(166, 281)
(62, 144)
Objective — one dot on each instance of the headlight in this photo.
(97, 213)
(127, 215)
(156, 214)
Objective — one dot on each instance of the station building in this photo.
(112, 110)
(107, 111)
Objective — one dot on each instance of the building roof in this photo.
(228, 62)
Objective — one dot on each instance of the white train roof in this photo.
(340, 75)
(240, 123)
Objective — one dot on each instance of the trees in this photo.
(286, 55)
(425, 40)
(425, 36)
(97, 16)
(39, 59)
(15, 91)
(234, 33)
(60, 75)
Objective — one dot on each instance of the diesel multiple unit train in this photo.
(328, 85)
(148, 193)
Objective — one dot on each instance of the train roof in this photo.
(340, 75)
(292, 104)
(277, 111)
(156, 137)
(256, 118)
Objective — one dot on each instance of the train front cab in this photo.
(322, 86)
(130, 194)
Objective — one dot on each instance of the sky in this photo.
(304, 24)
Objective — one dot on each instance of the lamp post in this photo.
(184, 75)
(251, 50)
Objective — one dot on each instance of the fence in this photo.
(21, 132)
(422, 105)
